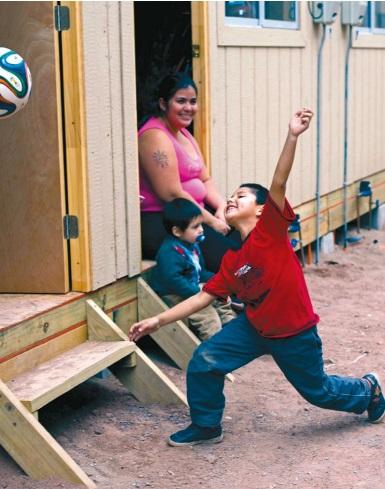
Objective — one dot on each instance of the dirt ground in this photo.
(273, 438)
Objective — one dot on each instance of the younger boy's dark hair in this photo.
(179, 212)
(259, 191)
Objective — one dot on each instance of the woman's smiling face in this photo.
(181, 108)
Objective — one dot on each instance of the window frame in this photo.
(369, 37)
(234, 31)
(262, 22)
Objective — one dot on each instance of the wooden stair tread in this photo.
(41, 385)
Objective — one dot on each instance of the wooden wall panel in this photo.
(99, 142)
(217, 98)
(286, 78)
(234, 122)
(260, 137)
(248, 109)
(117, 136)
(108, 40)
(131, 167)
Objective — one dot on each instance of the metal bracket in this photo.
(71, 227)
(196, 51)
(62, 18)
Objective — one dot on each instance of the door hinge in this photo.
(71, 227)
(62, 18)
(196, 51)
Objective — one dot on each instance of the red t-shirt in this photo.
(266, 275)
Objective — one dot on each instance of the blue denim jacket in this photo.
(175, 271)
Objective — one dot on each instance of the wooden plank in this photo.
(130, 141)
(248, 111)
(147, 382)
(76, 146)
(31, 446)
(141, 376)
(201, 74)
(99, 144)
(233, 119)
(217, 97)
(175, 339)
(43, 384)
(100, 326)
(42, 353)
(117, 137)
(32, 248)
(260, 96)
(125, 316)
(32, 331)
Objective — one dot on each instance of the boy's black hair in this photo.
(179, 212)
(259, 191)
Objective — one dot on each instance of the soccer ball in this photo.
(15, 82)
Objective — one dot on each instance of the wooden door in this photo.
(33, 253)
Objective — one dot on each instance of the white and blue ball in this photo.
(15, 82)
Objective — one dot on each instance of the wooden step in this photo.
(41, 385)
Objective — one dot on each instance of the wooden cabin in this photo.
(70, 241)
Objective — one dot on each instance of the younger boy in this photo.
(279, 318)
(180, 270)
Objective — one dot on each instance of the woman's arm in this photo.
(180, 311)
(158, 159)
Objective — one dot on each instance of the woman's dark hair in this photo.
(166, 89)
(259, 191)
(172, 83)
(179, 212)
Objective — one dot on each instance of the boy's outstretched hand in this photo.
(300, 121)
(144, 327)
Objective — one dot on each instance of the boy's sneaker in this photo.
(195, 434)
(376, 408)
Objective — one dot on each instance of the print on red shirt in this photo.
(266, 274)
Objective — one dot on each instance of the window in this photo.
(374, 20)
(367, 34)
(379, 16)
(281, 15)
(260, 24)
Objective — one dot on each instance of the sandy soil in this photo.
(273, 438)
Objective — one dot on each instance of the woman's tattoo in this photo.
(160, 158)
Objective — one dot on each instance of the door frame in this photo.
(200, 38)
(76, 135)
(76, 146)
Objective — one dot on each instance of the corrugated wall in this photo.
(109, 61)
(254, 91)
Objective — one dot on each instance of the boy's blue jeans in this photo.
(299, 357)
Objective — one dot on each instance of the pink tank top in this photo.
(189, 170)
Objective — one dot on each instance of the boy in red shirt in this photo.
(278, 319)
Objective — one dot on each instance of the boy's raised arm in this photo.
(180, 311)
(297, 125)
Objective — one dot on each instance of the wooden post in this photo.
(144, 380)
(31, 446)
(175, 339)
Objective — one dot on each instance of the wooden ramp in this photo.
(42, 374)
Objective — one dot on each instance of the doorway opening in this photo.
(163, 41)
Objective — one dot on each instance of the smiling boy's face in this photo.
(242, 206)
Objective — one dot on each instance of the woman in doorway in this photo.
(172, 166)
